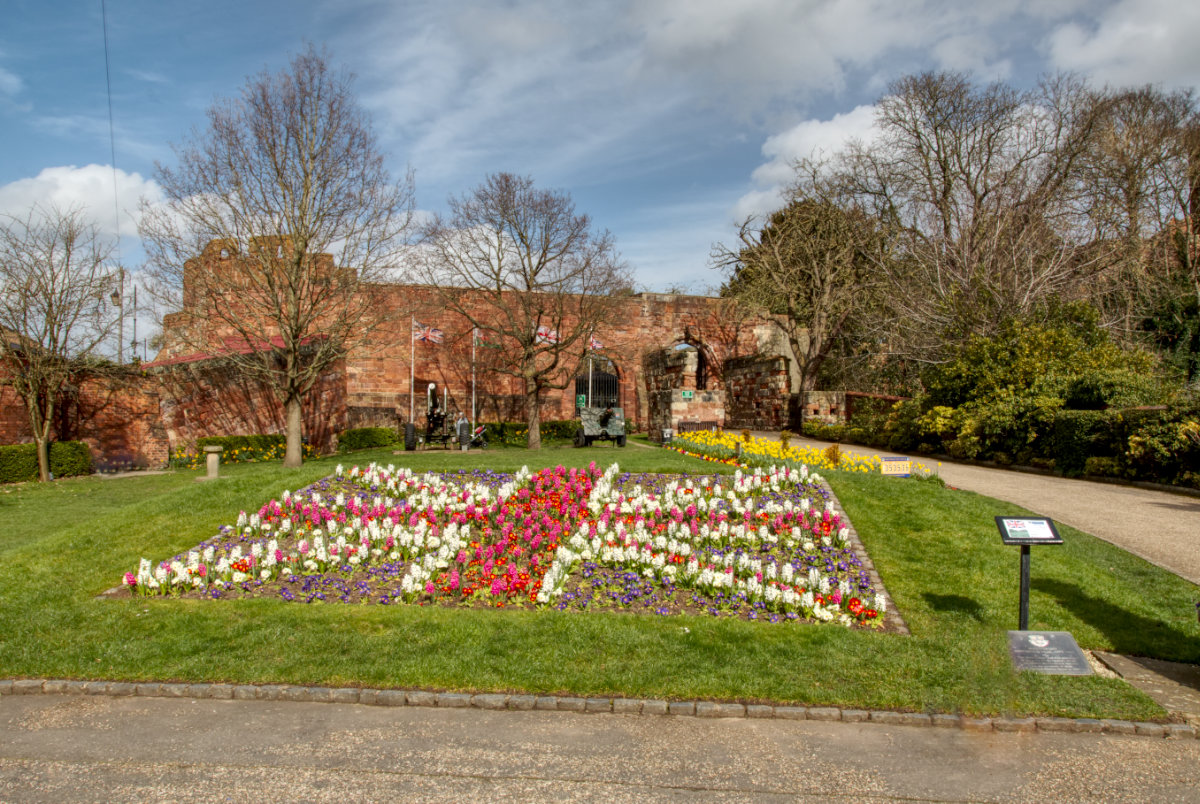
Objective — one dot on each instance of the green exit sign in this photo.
(581, 400)
(687, 395)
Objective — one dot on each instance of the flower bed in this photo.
(722, 447)
(760, 545)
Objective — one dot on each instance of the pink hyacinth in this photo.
(130, 579)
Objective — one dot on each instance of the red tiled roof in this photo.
(229, 345)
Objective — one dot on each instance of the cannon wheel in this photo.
(621, 440)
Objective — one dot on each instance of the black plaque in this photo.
(1053, 653)
(1027, 530)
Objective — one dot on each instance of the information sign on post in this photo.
(1026, 531)
(895, 466)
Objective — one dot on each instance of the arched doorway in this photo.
(598, 385)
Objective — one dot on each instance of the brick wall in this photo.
(204, 399)
(672, 378)
(117, 416)
(758, 392)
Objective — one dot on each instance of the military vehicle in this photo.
(600, 424)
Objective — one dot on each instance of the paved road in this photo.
(1159, 526)
(84, 748)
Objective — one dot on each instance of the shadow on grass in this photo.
(955, 604)
(1130, 633)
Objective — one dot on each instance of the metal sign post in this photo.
(1025, 532)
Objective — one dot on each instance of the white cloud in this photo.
(89, 187)
(1133, 42)
(816, 139)
(10, 84)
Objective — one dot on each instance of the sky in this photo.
(667, 121)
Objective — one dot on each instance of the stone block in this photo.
(522, 703)
(546, 703)
(393, 698)
(27, 686)
(421, 698)
(654, 707)
(572, 704)
(891, 718)
(627, 706)
(1056, 724)
(1015, 724)
(453, 700)
(343, 695)
(976, 723)
(1119, 726)
(1179, 731)
(595, 705)
(825, 713)
(490, 701)
(791, 712)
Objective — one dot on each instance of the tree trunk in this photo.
(41, 415)
(533, 414)
(43, 456)
(294, 456)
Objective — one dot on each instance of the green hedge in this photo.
(18, 462)
(367, 438)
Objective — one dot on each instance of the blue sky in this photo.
(667, 120)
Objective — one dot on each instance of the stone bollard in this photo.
(212, 461)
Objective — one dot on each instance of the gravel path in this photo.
(1159, 526)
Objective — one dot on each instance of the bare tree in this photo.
(522, 268)
(284, 176)
(976, 184)
(1141, 192)
(54, 286)
(813, 263)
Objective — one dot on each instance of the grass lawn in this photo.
(937, 551)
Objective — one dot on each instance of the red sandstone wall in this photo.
(757, 393)
(378, 383)
(201, 399)
(117, 417)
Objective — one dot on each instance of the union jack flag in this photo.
(428, 334)
(546, 335)
(594, 343)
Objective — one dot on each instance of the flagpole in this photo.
(590, 362)
(412, 365)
